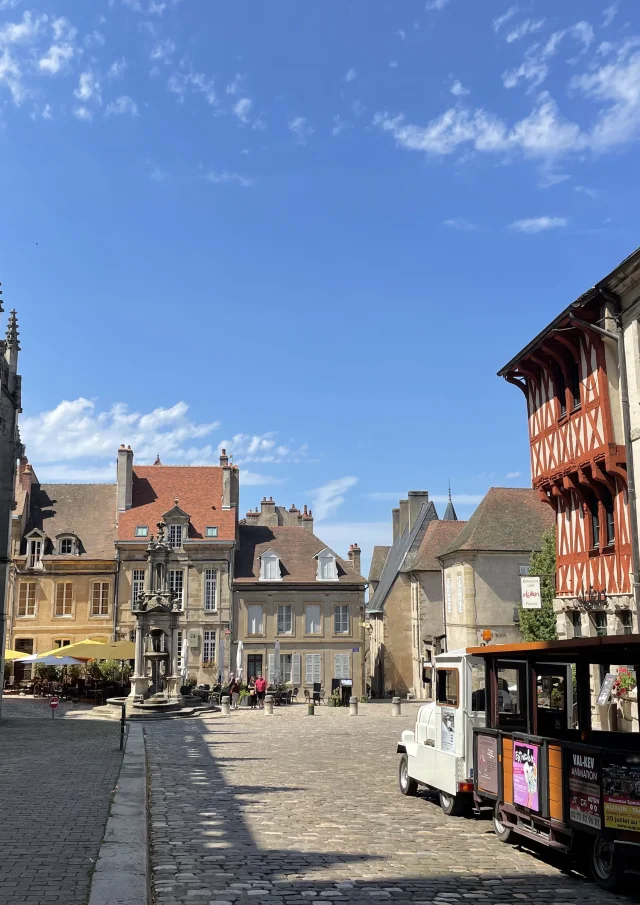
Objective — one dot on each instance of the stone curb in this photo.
(121, 876)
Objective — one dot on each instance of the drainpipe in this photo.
(618, 336)
(115, 594)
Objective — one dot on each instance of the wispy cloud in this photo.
(504, 18)
(221, 176)
(163, 51)
(88, 88)
(339, 125)
(436, 4)
(117, 68)
(528, 27)
(155, 172)
(328, 498)
(351, 75)
(459, 223)
(185, 80)
(585, 190)
(242, 109)
(121, 106)
(609, 14)
(458, 89)
(511, 475)
(538, 224)
(263, 449)
(301, 129)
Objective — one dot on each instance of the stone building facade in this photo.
(62, 584)
(293, 591)
(197, 507)
(482, 567)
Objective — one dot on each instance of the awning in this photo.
(95, 650)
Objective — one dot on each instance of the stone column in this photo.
(139, 681)
(173, 678)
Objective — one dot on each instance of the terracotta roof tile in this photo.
(438, 536)
(512, 519)
(296, 548)
(198, 489)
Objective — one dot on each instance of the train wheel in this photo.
(408, 785)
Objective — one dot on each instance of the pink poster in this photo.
(525, 775)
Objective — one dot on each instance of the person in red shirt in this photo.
(261, 688)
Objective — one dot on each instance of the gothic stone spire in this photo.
(450, 513)
(12, 331)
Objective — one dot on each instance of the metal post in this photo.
(353, 706)
(123, 723)
(395, 707)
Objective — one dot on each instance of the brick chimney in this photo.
(416, 500)
(354, 557)
(252, 517)
(125, 478)
(25, 474)
(395, 524)
(307, 520)
(224, 458)
(268, 514)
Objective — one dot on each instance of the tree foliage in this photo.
(540, 625)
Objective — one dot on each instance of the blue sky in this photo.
(308, 231)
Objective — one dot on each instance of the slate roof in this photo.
(378, 558)
(198, 489)
(296, 548)
(450, 514)
(438, 536)
(509, 519)
(86, 510)
(401, 555)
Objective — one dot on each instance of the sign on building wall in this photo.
(530, 592)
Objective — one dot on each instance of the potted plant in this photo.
(623, 689)
(244, 696)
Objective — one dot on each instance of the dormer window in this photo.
(270, 567)
(175, 536)
(327, 566)
(142, 530)
(211, 531)
(66, 546)
(35, 549)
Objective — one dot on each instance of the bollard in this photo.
(353, 706)
(268, 705)
(395, 706)
(226, 710)
(311, 708)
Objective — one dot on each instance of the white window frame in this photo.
(312, 669)
(460, 582)
(137, 585)
(524, 569)
(142, 531)
(270, 567)
(102, 609)
(209, 646)
(255, 627)
(286, 668)
(341, 666)
(63, 542)
(284, 619)
(176, 584)
(211, 531)
(309, 623)
(30, 600)
(327, 567)
(341, 619)
(63, 614)
(35, 553)
(179, 637)
(176, 534)
(210, 590)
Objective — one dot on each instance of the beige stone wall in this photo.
(398, 640)
(326, 643)
(44, 628)
(194, 620)
(427, 622)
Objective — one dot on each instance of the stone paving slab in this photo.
(55, 787)
(286, 809)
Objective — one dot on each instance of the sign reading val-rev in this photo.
(530, 592)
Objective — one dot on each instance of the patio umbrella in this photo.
(239, 653)
(184, 655)
(276, 664)
(221, 660)
(97, 650)
(13, 654)
(48, 660)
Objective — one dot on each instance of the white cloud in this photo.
(11, 76)
(163, 51)
(219, 176)
(528, 27)
(24, 32)
(9, 4)
(121, 106)
(117, 68)
(609, 14)
(181, 81)
(339, 125)
(538, 224)
(534, 69)
(262, 448)
(351, 75)
(504, 18)
(330, 496)
(584, 190)
(511, 475)
(242, 109)
(436, 4)
(253, 479)
(95, 39)
(56, 58)
(401, 34)
(300, 128)
(156, 173)
(88, 88)
(339, 536)
(76, 429)
(83, 113)
(459, 223)
(458, 89)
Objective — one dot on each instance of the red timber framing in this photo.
(576, 464)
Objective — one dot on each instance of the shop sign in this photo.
(525, 775)
(621, 788)
(530, 593)
(584, 790)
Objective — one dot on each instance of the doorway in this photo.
(254, 666)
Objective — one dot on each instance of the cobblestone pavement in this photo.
(55, 785)
(285, 809)
(30, 708)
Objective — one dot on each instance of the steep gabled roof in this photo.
(378, 560)
(401, 555)
(297, 549)
(438, 536)
(86, 510)
(198, 489)
(509, 519)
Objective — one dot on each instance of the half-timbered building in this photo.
(570, 377)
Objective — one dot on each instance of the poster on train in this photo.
(621, 793)
(525, 775)
(584, 789)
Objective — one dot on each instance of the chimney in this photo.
(224, 458)
(293, 517)
(416, 499)
(307, 520)
(268, 514)
(125, 477)
(395, 523)
(252, 517)
(354, 557)
(404, 516)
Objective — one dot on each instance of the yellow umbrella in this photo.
(121, 650)
(13, 654)
(96, 650)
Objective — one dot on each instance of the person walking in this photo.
(234, 691)
(261, 688)
(253, 700)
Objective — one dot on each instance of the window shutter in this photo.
(341, 666)
(308, 678)
(271, 668)
(295, 668)
(317, 667)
